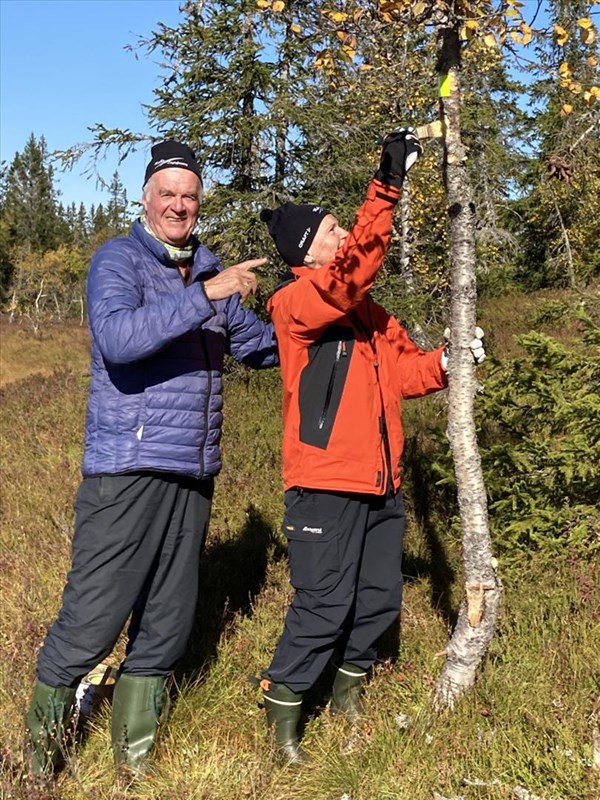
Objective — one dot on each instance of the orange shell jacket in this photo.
(346, 364)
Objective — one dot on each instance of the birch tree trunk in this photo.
(479, 611)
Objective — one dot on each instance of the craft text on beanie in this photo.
(293, 228)
(171, 154)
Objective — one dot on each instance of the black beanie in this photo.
(293, 228)
(171, 154)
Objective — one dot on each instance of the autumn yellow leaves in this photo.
(497, 27)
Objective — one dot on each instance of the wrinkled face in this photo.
(328, 240)
(171, 201)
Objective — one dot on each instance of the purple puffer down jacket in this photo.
(156, 396)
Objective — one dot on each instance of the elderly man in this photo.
(346, 366)
(163, 312)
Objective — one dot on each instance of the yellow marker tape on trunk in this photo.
(444, 86)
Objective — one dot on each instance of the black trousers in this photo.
(136, 550)
(345, 555)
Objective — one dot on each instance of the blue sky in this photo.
(63, 67)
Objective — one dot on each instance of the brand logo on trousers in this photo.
(306, 529)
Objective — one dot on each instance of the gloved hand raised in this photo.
(400, 150)
(475, 345)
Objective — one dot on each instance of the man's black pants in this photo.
(136, 549)
(345, 556)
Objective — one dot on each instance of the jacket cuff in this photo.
(442, 373)
(377, 189)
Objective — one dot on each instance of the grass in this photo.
(55, 347)
(528, 722)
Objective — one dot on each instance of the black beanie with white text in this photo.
(171, 154)
(293, 228)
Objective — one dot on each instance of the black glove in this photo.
(400, 150)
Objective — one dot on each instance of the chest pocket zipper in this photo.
(341, 352)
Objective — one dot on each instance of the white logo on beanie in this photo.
(172, 162)
(304, 236)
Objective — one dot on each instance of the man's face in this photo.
(172, 204)
(328, 240)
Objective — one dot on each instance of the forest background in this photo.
(288, 101)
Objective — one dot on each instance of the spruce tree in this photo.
(116, 208)
(561, 202)
(30, 206)
(237, 88)
(6, 266)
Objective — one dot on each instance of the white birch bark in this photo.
(479, 611)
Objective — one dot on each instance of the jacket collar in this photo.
(298, 272)
(204, 261)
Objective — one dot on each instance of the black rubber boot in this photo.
(49, 720)
(347, 692)
(140, 704)
(284, 708)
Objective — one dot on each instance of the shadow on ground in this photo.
(232, 575)
(424, 496)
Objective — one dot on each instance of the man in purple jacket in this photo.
(163, 312)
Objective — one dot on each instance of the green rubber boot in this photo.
(347, 692)
(48, 721)
(140, 704)
(284, 708)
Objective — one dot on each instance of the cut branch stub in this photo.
(476, 601)
(433, 130)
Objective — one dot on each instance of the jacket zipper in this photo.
(207, 405)
(341, 351)
(383, 428)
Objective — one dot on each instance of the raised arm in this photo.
(320, 296)
(323, 294)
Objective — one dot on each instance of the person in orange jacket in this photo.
(346, 366)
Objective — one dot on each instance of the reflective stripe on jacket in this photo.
(158, 348)
(346, 365)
